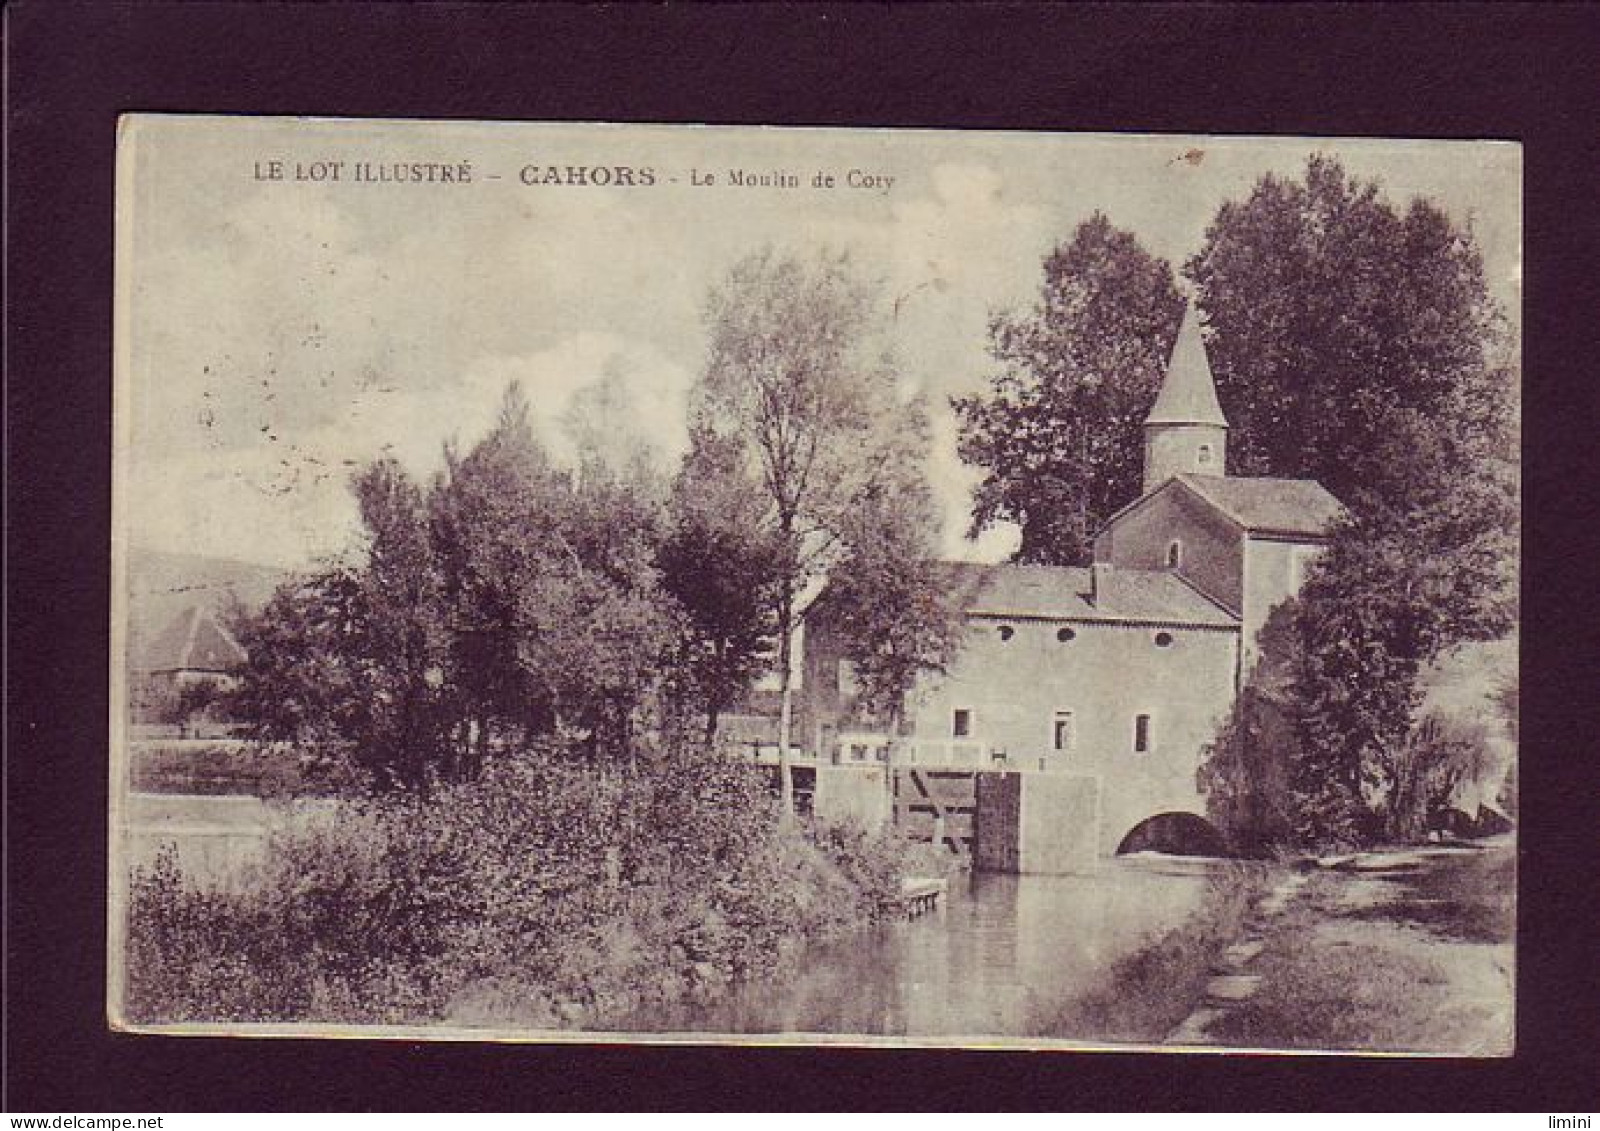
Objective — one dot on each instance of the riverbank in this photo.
(1144, 995)
(1381, 952)
(1404, 952)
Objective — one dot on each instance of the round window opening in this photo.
(1065, 634)
(1007, 632)
(1163, 640)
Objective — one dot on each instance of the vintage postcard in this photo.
(857, 586)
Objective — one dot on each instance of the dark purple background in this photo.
(1463, 71)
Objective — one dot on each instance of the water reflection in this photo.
(1003, 958)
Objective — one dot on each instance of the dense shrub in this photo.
(545, 893)
(1265, 774)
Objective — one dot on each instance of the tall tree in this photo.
(1058, 432)
(892, 600)
(1343, 332)
(1245, 770)
(1358, 345)
(721, 566)
(297, 685)
(401, 638)
(495, 514)
(798, 372)
(350, 663)
(550, 576)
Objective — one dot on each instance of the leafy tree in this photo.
(348, 664)
(1437, 758)
(1058, 432)
(1245, 771)
(1339, 328)
(892, 600)
(797, 373)
(549, 576)
(399, 643)
(721, 567)
(314, 680)
(494, 516)
(513, 601)
(614, 646)
(296, 685)
(1358, 345)
(1508, 697)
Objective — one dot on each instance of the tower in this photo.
(1185, 431)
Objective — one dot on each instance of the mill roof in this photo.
(1188, 391)
(1068, 593)
(194, 641)
(1269, 506)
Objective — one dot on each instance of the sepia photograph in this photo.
(774, 585)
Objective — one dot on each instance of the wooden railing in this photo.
(967, 753)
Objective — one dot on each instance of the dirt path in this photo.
(1396, 952)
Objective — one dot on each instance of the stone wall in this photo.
(1212, 546)
(1174, 449)
(1045, 824)
(1105, 675)
(1273, 569)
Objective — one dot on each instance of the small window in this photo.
(1205, 455)
(1163, 640)
(1065, 634)
(1174, 554)
(1141, 734)
(1007, 632)
(1061, 731)
(961, 723)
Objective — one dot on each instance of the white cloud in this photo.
(285, 498)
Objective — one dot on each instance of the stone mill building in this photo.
(1082, 698)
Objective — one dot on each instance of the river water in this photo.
(1002, 958)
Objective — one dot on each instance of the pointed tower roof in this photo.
(1188, 392)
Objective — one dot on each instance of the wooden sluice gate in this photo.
(936, 805)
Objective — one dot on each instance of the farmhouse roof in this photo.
(1070, 593)
(1269, 506)
(1188, 391)
(194, 641)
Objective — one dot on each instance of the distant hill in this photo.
(163, 586)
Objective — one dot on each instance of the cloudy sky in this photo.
(276, 333)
